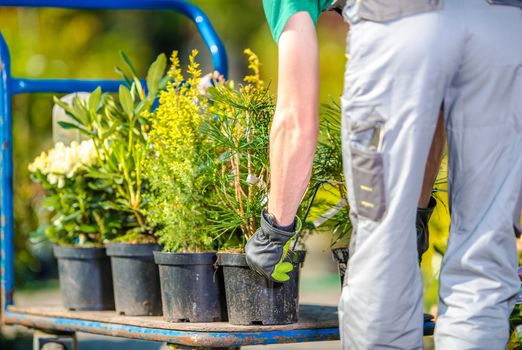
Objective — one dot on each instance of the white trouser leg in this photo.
(395, 80)
(468, 54)
(484, 124)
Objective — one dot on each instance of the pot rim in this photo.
(239, 259)
(184, 258)
(132, 250)
(71, 252)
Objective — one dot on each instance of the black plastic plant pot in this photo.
(85, 278)
(340, 256)
(254, 300)
(191, 287)
(136, 279)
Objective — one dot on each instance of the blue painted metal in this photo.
(19, 86)
(11, 86)
(205, 28)
(6, 178)
(198, 339)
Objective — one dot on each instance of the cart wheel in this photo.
(53, 346)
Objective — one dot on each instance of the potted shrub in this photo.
(119, 127)
(240, 132)
(77, 224)
(179, 170)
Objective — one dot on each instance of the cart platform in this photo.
(316, 323)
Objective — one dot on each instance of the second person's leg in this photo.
(394, 87)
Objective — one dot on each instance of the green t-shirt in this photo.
(279, 11)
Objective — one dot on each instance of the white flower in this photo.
(53, 179)
(58, 222)
(41, 163)
(60, 159)
(64, 160)
(87, 152)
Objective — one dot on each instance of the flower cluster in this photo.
(77, 213)
(63, 161)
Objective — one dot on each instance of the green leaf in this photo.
(155, 74)
(73, 126)
(94, 99)
(281, 270)
(107, 133)
(126, 100)
(139, 88)
(128, 63)
(163, 83)
(79, 111)
(100, 175)
(88, 228)
(140, 107)
(67, 108)
(67, 125)
(62, 104)
(106, 205)
(128, 81)
(86, 132)
(69, 226)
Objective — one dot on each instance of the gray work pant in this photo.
(469, 55)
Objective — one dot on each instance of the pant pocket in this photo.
(366, 139)
(517, 3)
(368, 181)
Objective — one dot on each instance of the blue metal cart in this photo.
(317, 323)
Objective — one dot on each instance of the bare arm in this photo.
(433, 163)
(293, 137)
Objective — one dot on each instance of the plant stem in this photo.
(138, 217)
(249, 131)
(238, 190)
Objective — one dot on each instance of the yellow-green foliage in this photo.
(515, 341)
(176, 168)
(254, 79)
(439, 229)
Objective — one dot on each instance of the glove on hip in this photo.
(268, 248)
(421, 224)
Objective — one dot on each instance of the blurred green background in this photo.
(71, 43)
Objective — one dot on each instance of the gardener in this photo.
(405, 59)
(296, 59)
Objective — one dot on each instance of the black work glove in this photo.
(421, 224)
(268, 248)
